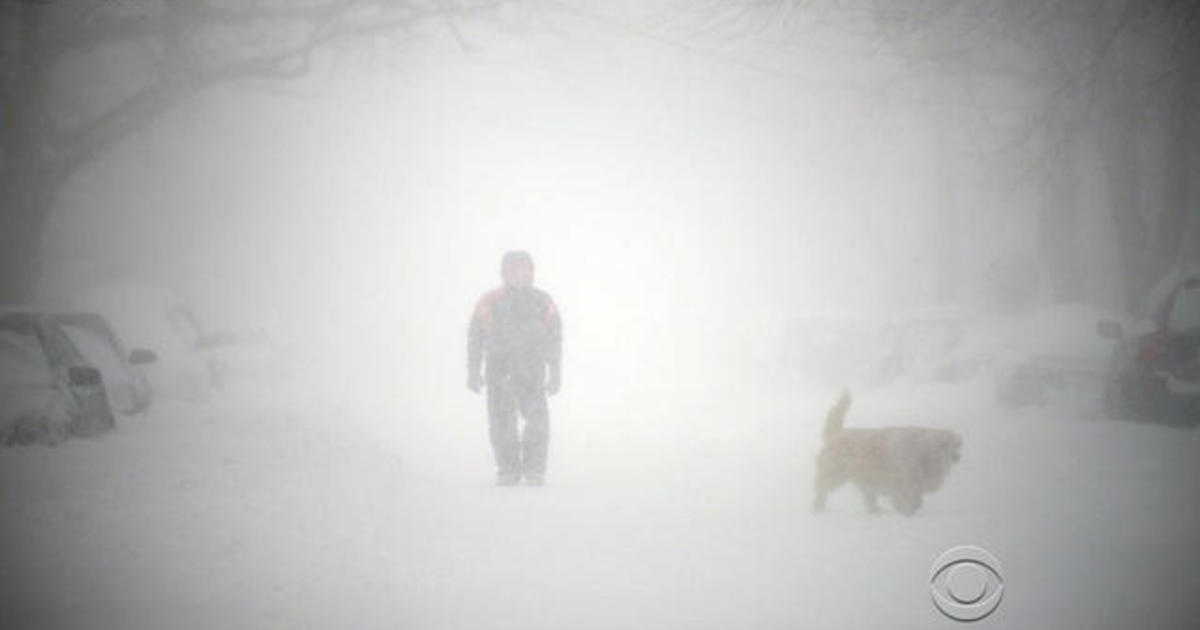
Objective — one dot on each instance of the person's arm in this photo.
(553, 322)
(475, 333)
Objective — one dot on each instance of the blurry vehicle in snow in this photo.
(216, 360)
(1027, 358)
(152, 317)
(193, 361)
(872, 352)
(1042, 379)
(1032, 357)
(128, 388)
(924, 348)
(828, 348)
(48, 389)
(1155, 374)
(1049, 356)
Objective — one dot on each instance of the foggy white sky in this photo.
(665, 190)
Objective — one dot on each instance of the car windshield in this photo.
(1185, 310)
(22, 360)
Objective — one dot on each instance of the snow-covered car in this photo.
(830, 348)
(128, 388)
(1155, 373)
(857, 349)
(1049, 355)
(193, 361)
(48, 389)
(924, 347)
(149, 316)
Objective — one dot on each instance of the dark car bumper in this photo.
(1155, 396)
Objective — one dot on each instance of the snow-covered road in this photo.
(662, 511)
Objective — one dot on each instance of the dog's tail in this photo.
(836, 416)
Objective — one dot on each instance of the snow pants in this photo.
(509, 391)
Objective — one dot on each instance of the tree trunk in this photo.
(1123, 188)
(1058, 225)
(27, 179)
(27, 204)
(1183, 167)
(948, 205)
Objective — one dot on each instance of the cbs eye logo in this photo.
(966, 583)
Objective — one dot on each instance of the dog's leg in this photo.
(821, 492)
(907, 502)
(825, 484)
(869, 499)
(907, 498)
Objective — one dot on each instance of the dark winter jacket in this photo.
(517, 329)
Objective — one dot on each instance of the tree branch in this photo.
(178, 83)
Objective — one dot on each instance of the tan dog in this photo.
(901, 463)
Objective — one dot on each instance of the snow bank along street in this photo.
(260, 517)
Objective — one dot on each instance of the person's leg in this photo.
(502, 422)
(535, 439)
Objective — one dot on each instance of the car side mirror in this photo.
(140, 356)
(1110, 330)
(81, 376)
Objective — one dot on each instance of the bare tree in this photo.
(1115, 76)
(1121, 77)
(188, 46)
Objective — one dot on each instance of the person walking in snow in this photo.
(517, 331)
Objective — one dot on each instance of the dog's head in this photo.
(953, 447)
(943, 449)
